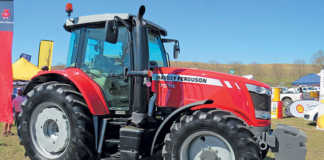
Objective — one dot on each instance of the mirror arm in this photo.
(168, 56)
(118, 19)
(177, 43)
(166, 40)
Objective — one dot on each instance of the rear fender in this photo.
(88, 88)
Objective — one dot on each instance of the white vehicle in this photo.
(290, 90)
(307, 89)
(311, 115)
(289, 95)
(316, 88)
(288, 98)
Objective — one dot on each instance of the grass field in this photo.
(11, 150)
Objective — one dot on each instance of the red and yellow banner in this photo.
(6, 34)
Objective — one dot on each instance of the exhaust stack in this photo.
(141, 60)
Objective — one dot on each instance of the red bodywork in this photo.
(176, 87)
(182, 86)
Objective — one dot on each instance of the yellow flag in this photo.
(45, 54)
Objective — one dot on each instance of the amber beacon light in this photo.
(69, 9)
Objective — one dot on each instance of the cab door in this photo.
(105, 62)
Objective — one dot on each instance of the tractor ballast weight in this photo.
(120, 99)
(288, 143)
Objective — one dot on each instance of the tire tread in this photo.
(243, 139)
(81, 142)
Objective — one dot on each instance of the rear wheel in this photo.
(287, 101)
(55, 124)
(208, 136)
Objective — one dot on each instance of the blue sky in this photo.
(276, 31)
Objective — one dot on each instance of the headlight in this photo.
(258, 89)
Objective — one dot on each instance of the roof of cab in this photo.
(82, 20)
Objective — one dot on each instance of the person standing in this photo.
(17, 102)
(7, 125)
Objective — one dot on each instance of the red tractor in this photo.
(119, 98)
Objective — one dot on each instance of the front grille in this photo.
(261, 102)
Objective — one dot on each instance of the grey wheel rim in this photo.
(206, 145)
(287, 102)
(50, 130)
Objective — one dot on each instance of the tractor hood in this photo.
(176, 87)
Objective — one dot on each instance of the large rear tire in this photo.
(216, 135)
(55, 124)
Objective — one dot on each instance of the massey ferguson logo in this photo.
(5, 14)
(180, 78)
(186, 78)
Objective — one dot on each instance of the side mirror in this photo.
(176, 47)
(176, 50)
(111, 29)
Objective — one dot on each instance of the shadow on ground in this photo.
(312, 123)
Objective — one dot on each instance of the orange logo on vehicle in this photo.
(300, 108)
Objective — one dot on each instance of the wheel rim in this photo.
(287, 102)
(206, 145)
(50, 130)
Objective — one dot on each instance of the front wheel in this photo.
(216, 135)
(55, 124)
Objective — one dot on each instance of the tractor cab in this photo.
(107, 63)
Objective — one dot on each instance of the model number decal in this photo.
(186, 78)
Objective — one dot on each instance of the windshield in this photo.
(103, 56)
(96, 46)
(95, 54)
(72, 52)
(156, 50)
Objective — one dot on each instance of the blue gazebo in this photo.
(310, 79)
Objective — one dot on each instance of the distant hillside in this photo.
(272, 74)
